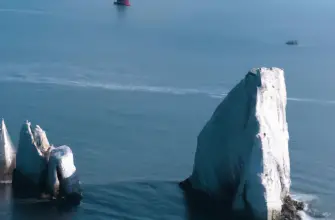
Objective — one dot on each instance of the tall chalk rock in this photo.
(242, 152)
(30, 159)
(7, 154)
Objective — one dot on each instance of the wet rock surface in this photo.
(291, 208)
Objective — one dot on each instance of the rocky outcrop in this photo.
(62, 176)
(291, 208)
(43, 170)
(7, 155)
(242, 155)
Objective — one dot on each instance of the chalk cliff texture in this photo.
(61, 165)
(7, 154)
(242, 152)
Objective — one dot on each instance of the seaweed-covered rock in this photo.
(290, 209)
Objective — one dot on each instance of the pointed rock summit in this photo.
(242, 155)
(7, 154)
(33, 144)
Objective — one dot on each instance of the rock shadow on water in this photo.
(121, 200)
(150, 200)
(25, 208)
(129, 200)
(201, 206)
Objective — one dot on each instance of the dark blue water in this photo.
(130, 89)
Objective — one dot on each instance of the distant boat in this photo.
(122, 2)
(292, 42)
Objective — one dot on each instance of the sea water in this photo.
(129, 89)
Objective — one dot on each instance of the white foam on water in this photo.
(304, 216)
(304, 197)
(309, 212)
(316, 101)
(112, 86)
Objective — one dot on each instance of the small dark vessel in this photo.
(122, 2)
(292, 42)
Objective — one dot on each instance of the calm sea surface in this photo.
(129, 89)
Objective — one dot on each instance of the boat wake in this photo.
(58, 74)
(142, 88)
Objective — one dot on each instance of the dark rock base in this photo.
(5, 177)
(24, 187)
(71, 191)
(6, 174)
(290, 209)
(202, 206)
(69, 195)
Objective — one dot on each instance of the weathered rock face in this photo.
(30, 158)
(290, 209)
(242, 152)
(44, 170)
(7, 154)
(62, 176)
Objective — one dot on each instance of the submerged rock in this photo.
(242, 154)
(7, 155)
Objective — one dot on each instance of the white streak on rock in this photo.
(7, 152)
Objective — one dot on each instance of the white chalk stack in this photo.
(7, 155)
(242, 151)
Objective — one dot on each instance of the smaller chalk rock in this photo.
(7, 155)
